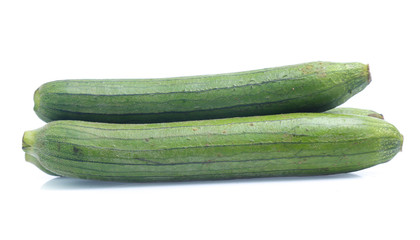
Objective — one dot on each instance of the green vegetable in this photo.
(295, 144)
(309, 87)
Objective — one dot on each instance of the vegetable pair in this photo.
(210, 127)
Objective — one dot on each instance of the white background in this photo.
(48, 40)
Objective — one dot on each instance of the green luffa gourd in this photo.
(308, 87)
(296, 144)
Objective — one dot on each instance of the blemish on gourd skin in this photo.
(322, 74)
(208, 161)
(307, 69)
(76, 150)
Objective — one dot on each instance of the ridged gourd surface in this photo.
(294, 144)
(309, 87)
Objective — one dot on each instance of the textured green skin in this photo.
(295, 144)
(309, 87)
(356, 111)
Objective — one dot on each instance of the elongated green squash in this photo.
(351, 111)
(295, 144)
(309, 87)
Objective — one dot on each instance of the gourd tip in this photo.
(28, 139)
(36, 100)
(402, 141)
(377, 115)
(369, 75)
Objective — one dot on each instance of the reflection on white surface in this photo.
(63, 183)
